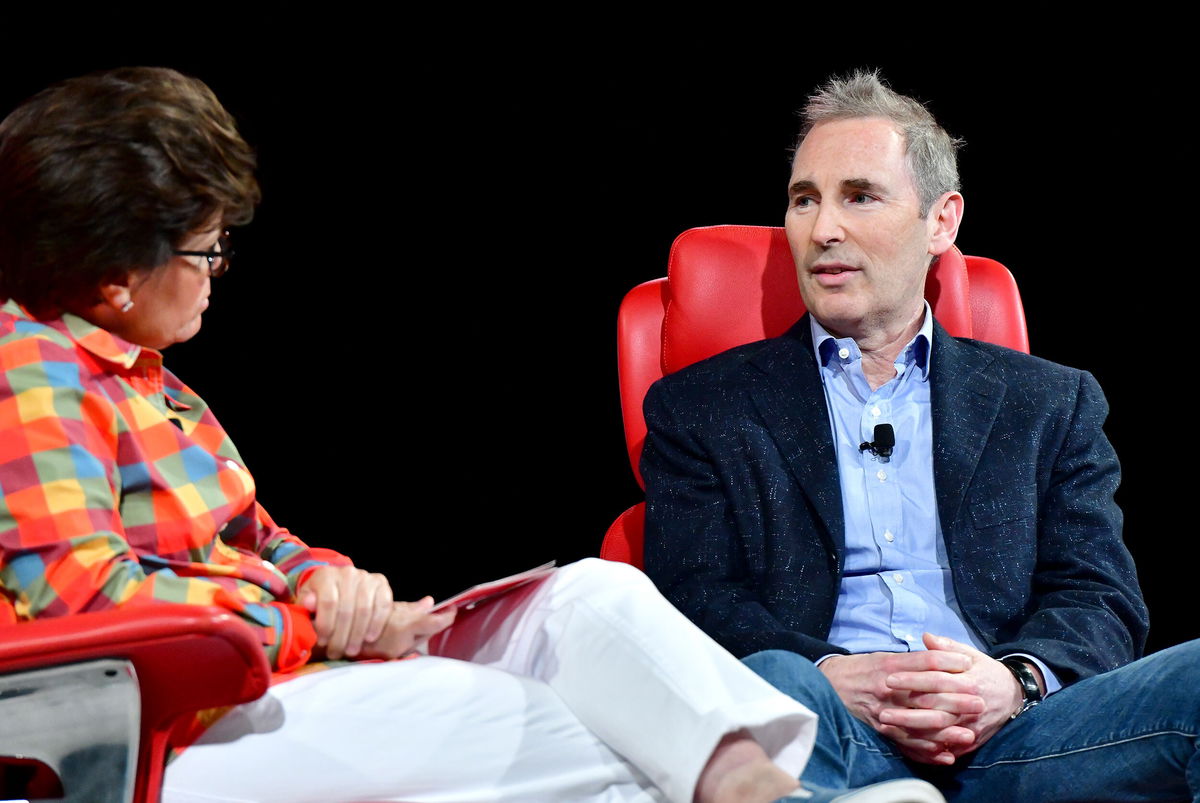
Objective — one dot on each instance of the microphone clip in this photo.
(881, 447)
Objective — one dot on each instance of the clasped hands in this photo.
(356, 616)
(934, 705)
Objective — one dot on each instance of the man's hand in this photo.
(409, 626)
(352, 608)
(920, 733)
(929, 726)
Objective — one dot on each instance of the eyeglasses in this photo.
(218, 258)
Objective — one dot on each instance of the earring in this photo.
(128, 305)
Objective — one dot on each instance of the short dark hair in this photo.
(931, 152)
(107, 173)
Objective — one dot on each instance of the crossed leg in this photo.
(586, 686)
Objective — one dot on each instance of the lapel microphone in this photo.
(885, 440)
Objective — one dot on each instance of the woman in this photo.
(121, 488)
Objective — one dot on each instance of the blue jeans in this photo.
(1132, 734)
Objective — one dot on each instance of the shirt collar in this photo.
(99, 342)
(918, 350)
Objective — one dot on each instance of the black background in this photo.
(415, 350)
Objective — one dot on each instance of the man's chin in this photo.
(838, 319)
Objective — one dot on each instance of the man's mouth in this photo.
(833, 274)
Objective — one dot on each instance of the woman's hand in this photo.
(353, 607)
(408, 627)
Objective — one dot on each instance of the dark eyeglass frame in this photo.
(223, 252)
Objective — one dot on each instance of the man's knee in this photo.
(1177, 669)
(795, 676)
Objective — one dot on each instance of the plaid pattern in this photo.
(119, 487)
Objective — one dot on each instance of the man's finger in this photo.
(936, 682)
(959, 704)
(934, 745)
(927, 661)
(923, 752)
(917, 719)
(947, 644)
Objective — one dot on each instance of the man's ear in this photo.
(943, 220)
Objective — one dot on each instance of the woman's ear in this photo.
(117, 294)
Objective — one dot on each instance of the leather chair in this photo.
(731, 285)
(88, 703)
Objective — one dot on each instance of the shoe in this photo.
(907, 790)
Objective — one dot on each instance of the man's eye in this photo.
(861, 198)
(803, 200)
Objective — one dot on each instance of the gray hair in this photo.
(930, 151)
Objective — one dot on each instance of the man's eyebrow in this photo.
(861, 184)
(798, 187)
(848, 185)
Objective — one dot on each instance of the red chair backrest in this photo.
(730, 285)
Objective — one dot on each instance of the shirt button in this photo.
(882, 475)
(232, 465)
(908, 637)
(899, 578)
(843, 353)
(887, 536)
(876, 412)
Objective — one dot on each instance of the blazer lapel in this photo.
(966, 400)
(792, 404)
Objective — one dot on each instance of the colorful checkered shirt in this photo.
(119, 487)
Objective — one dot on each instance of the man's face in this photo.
(860, 244)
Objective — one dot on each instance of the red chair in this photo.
(83, 699)
(730, 285)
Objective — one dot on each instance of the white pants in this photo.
(587, 685)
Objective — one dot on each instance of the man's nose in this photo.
(827, 228)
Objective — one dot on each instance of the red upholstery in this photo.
(187, 658)
(730, 285)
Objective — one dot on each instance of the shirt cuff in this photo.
(297, 639)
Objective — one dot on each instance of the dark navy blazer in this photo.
(744, 525)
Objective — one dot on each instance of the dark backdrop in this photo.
(415, 350)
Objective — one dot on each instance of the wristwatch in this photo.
(1027, 680)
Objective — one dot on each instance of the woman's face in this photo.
(169, 300)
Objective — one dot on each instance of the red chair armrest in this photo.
(187, 658)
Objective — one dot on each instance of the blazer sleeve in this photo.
(1088, 615)
(709, 553)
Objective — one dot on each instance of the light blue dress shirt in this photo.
(896, 582)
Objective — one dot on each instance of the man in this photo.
(954, 609)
